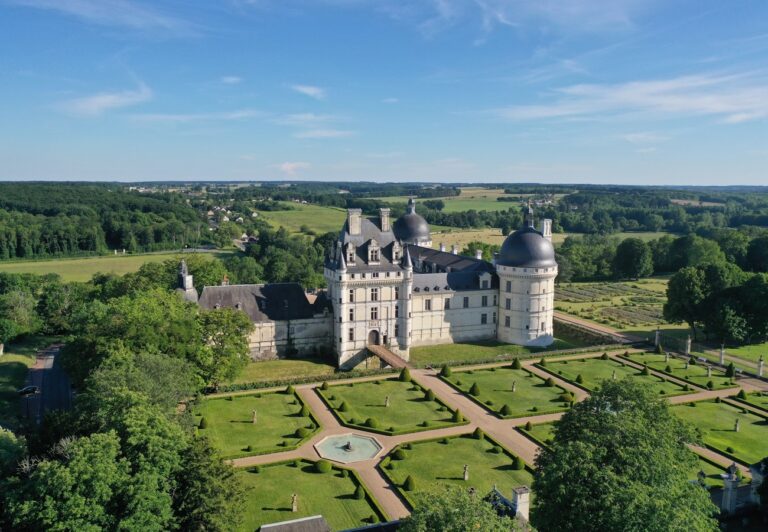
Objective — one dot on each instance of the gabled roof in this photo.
(425, 283)
(264, 302)
(445, 261)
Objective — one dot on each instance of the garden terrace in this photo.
(363, 405)
(757, 399)
(717, 423)
(435, 463)
(695, 374)
(269, 488)
(532, 395)
(453, 354)
(589, 372)
(540, 433)
(279, 426)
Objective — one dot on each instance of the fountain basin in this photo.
(348, 448)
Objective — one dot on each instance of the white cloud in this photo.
(290, 168)
(390, 100)
(324, 134)
(644, 137)
(305, 119)
(180, 118)
(230, 80)
(312, 91)
(98, 104)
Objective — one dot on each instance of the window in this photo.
(374, 313)
(397, 330)
(351, 257)
(397, 292)
(527, 327)
(508, 304)
(485, 284)
(483, 319)
(466, 302)
(447, 303)
(397, 311)
(427, 304)
(374, 294)
(375, 275)
(485, 301)
(351, 314)
(542, 326)
(352, 295)
(509, 286)
(495, 301)
(494, 317)
(506, 321)
(351, 334)
(374, 255)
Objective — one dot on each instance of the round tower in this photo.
(527, 269)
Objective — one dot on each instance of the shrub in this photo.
(579, 379)
(528, 425)
(543, 362)
(391, 429)
(506, 410)
(331, 397)
(409, 484)
(730, 450)
(425, 423)
(550, 382)
(741, 395)
(405, 375)
(399, 454)
(457, 417)
(692, 361)
(475, 389)
(391, 465)
(478, 434)
(516, 364)
(659, 350)
(445, 441)
(430, 395)
(406, 446)
(344, 473)
(668, 369)
(304, 412)
(645, 371)
(710, 385)
(518, 463)
(730, 371)
(256, 469)
(534, 409)
(301, 432)
(458, 382)
(489, 402)
(343, 407)
(445, 371)
(297, 463)
(203, 423)
(567, 397)
(229, 398)
(687, 388)
(359, 493)
(372, 423)
(324, 386)
(290, 390)
(604, 356)
(249, 448)
(495, 449)
(323, 466)
(718, 400)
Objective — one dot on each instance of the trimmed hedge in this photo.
(339, 375)
(323, 466)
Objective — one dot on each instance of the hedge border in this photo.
(672, 375)
(534, 439)
(292, 447)
(383, 432)
(404, 495)
(310, 379)
(370, 499)
(496, 413)
(736, 399)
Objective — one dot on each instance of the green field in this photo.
(268, 495)
(318, 218)
(595, 370)
(717, 422)
(758, 399)
(695, 373)
(408, 409)
(434, 464)
(84, 268)
(531, 396)
(275, 370)
(478, 351)
(231, 431)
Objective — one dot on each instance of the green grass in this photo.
(231, 431)
(749, 352)
(695, 374)
(434, 464)
(268, 496)
(541, 432)
(271, 370)
(716, 422)
(531, 397)
(407, 410)
(712, 471)
(82, 269)
(318, 218)
(595, 370)
(758, 399)
(480, 351)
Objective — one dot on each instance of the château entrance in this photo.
(373, 337)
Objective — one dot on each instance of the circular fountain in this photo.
(348, 448)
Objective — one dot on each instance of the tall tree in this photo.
(685, 292)
(633, 259)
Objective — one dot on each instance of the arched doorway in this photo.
(373, 337)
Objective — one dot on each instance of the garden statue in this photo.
(294, 503)
(613, 375)
(709, 371)
(737, 425)
(514, 386)
(466, 472)
(253, 417)
(386, 402)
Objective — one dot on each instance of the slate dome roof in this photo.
(411, 227)
(527, 248)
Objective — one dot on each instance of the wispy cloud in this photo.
(98, 104)
(305, 119)
(230, 80)
(122, 13)
(318, 93)
(181, 118)
(644, 137)
(291, 167)
(324, 134)
(733, 98)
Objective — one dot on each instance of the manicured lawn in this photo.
(268, 496)
(231, 431)
(407, 410)
(758, 399)
(433, 464)
(468, 352)
(713, 472)
(531, 396)
(84, 268)
(543, 432)
(271, 370)
(595, 370)
(749, 352)
(696, 373)
(717, 422)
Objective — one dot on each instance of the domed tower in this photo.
(527, 269)
(411, 228)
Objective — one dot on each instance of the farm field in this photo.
(273, 370)
(82, 269)
(717, 424)
(320, 219)
(453, 353)
(591, 371)
(694, 373)
(433, 464)
(231, 430)
(531, 396)
(357, 403)
(268, 495)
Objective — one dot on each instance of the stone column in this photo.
(521, 497)
(728, 504)
(657, 339)
(688, 346)
(760, 364)
(722, 354)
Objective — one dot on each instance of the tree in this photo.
(12, 449)
(685, 292)
(623, 456)
(7, 333)
(454, 509)
(19, 307)
(225, 332)
(633, 259)
(757, 254)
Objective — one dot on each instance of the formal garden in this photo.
(690, 370)
(540, 433)
(320, 488)
(389, 406)
(758, 399)
(257, 423)
(481, 351)
(427, 465)
(589, 372)
(728, 429)
(510, 391)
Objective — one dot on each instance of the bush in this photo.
(478, 434)
(543, 362)
(604, 356)
(406, 446)
(391, 465)
(359, 493)
(579, 379)
(249, 448)
(489, 402)
(323, 466)
(372, 423)
(297, 463)
(445, 441)
(324, 386)
(718, 400)
(659, 350)
(668, 369)
(741, 395)
(730, 371)
(290, 390)
(256, 469)
(567, 397)
(430, 395)
(409, 484)
(405, 375)
(516, 364)
(304, 412)
(518, 464)
(457, 417)
(301, 432)
(692, 361)
(528, 425)
(645, 371)
(203, 423)
(730, 450)
(550, 382)
(506, 410)
(495, 449)
(534, 409)
(343, 407)
(344, 473)
(474, 390)
(399, 454)
(710, 385)
(445, 371)
(425, 423)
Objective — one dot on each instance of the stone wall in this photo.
(457, 323)
(308, 337)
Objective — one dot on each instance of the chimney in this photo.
(384, 218)
(521, 498)
(546, 228)
(354, 221)
(454, 249)
(442, 246)
(479, 254)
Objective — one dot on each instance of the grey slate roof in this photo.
(446, 282)
(368, 230)
(264, 302)
(315, 523)
(527, 248)
(444, 261)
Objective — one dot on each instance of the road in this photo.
(55, 389)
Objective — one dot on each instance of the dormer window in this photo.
(374, 252)
(350, 253)
(397, 251)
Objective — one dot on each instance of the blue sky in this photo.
(557, 91)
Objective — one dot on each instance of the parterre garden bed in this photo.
(758, 399)
(411, 407)
(695, 373)
(540, 433)
(282, 423)
(432, 464)
(717, 420)
(334, 495)
(493, 390)
(451, 354)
